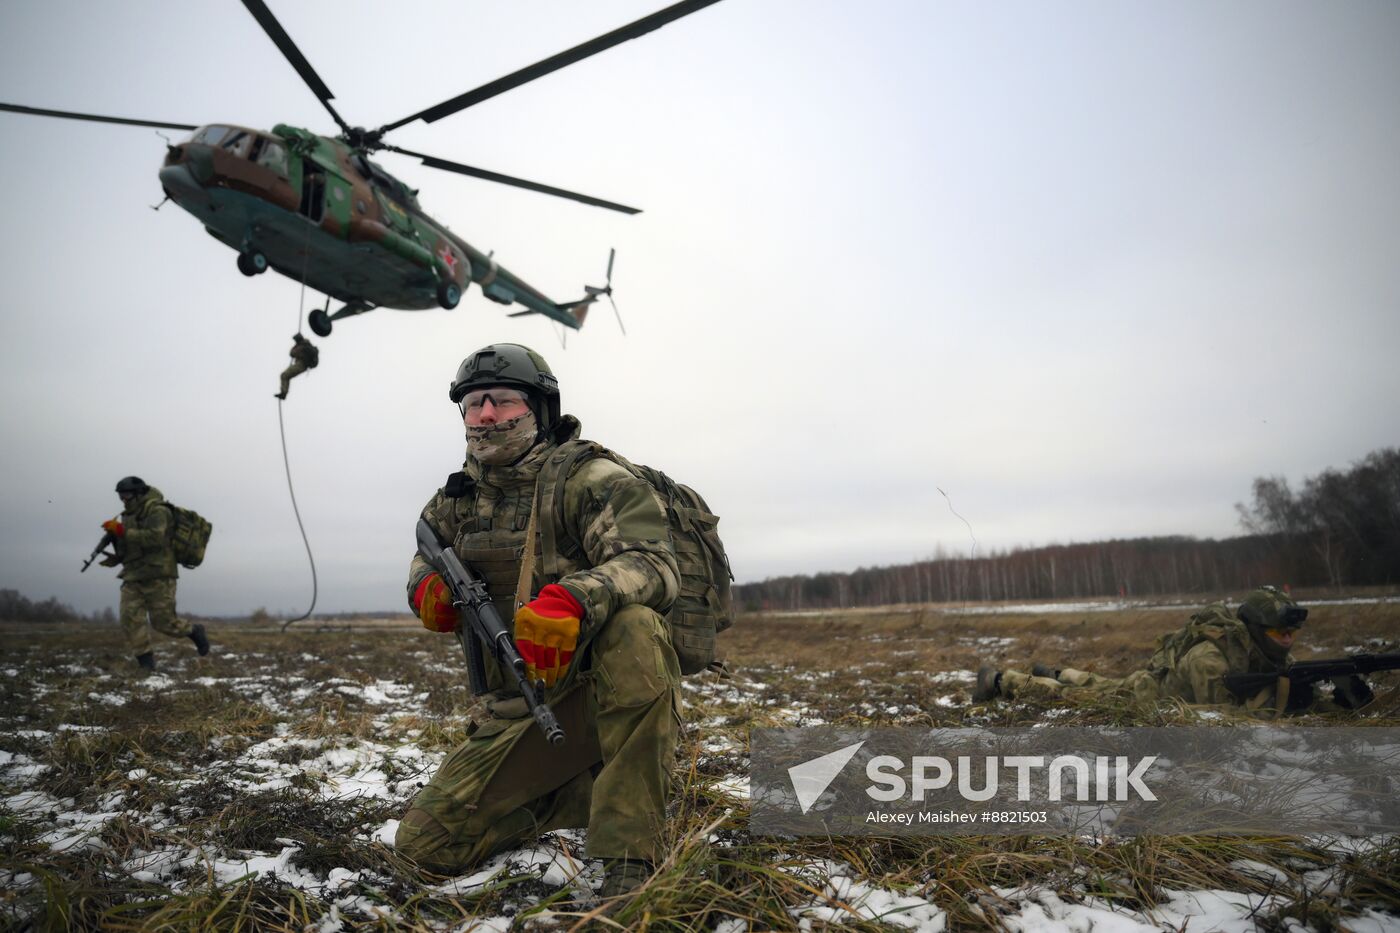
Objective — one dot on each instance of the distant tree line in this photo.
(15, 607)
(1343, 528)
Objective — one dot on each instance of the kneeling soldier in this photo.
(601, 574)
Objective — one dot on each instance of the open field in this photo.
(258, 789)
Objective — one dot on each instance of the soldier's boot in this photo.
(623, 876)
(147, 662)
(201, 640)
(988, 684)
(1044, 670)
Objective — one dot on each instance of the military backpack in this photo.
(189, 535)
(1215, 624)
(704, 605)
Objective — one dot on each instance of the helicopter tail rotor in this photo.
(618, 315)
(595, 292)
(571, 314)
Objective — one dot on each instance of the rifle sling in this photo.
(525, 585)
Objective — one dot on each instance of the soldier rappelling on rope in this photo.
(304, 356)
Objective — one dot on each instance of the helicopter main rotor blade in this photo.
(96, 118)
(459, 168)
(289, 49)
(538, 70)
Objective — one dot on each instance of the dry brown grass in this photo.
(858, 669)
(938, 638)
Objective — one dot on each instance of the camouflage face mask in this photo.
(499, 444)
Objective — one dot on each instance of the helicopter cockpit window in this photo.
(273, 156)
(210, 135)
(238, 143)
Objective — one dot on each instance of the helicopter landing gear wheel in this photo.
(252, 263)
(448, 294)
(320, 323)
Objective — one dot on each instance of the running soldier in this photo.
(148, 573)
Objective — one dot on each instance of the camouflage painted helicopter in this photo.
(318, 210)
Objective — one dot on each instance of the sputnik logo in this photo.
(811, 778)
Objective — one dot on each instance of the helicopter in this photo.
(318, 210)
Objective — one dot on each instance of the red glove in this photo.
(114, 527)
(434, 604)
(546, 633)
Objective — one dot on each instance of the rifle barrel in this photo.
(107, 538)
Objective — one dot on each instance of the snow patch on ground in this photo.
(845, 898)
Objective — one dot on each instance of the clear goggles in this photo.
(508, 403)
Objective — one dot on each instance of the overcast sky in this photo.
(1089, 268)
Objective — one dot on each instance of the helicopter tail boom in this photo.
(572, 314)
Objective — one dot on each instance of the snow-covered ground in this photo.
(353, 743)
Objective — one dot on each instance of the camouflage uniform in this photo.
(618, 700)
(1188, 665)
(148, 573)
(304, 356)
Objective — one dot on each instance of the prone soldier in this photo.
(586, 590)
(1194, 664)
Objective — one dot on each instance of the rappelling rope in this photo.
(287, 464)
(296, 511)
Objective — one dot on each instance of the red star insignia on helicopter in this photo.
(448, 259)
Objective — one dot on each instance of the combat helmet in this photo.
(510, 364)
(1269, 607)
(132, 484)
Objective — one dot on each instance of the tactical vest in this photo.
(491, 537)
(148, 561)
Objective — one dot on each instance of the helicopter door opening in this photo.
(313, 191)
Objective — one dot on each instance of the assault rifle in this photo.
(1347, 675)
(470, 598)
(107, 539)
